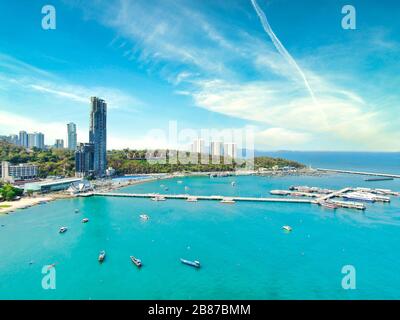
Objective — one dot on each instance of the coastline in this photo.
(27, 202)
(107, 186)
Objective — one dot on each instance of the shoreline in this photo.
(27, 202)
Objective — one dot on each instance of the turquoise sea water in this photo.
(242, 248)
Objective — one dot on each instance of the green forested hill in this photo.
(127, 161)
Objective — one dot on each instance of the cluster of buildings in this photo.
(215, 149)
(90, 157)
(36, 139)
(27, 140)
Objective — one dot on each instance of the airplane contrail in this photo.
(281, 49)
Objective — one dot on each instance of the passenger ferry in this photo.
(358, 196)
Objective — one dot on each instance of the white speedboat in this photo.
(195, 264)
(102, 256)
(84, 220)
(287, 228)
(144, 217)
(63, 229)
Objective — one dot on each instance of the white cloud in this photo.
(281, 138)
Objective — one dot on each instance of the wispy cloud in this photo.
(18, 75)
(282, 50)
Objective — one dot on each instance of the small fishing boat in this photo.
(287, 228)
(136, 261)
(144, 217)
(84, 220)
(195, 264)
(102, 256)
(63, 229)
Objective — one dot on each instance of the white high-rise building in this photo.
(72, 140)
(216, 148)
(23, 139)
(36, 139)
(230, 150)
(198, 146)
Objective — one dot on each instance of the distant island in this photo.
(61, 162)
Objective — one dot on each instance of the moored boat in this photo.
(102, 256)
(358, 196)
(195, 263)
(63, 229)
(329, 205)
(136, 261)
(158, 198)
(227, 201)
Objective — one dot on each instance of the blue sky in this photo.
(205, 64)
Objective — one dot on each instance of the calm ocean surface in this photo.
(242, 248)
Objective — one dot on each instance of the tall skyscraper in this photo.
(31, 140)
(36, 140)
(23, 139)
(72, 137)
(98, 135)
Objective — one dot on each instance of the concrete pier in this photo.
(376, 174)
(187, 196)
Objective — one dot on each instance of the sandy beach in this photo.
(25, 202)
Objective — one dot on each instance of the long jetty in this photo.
(376, 174)
(187, 196)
